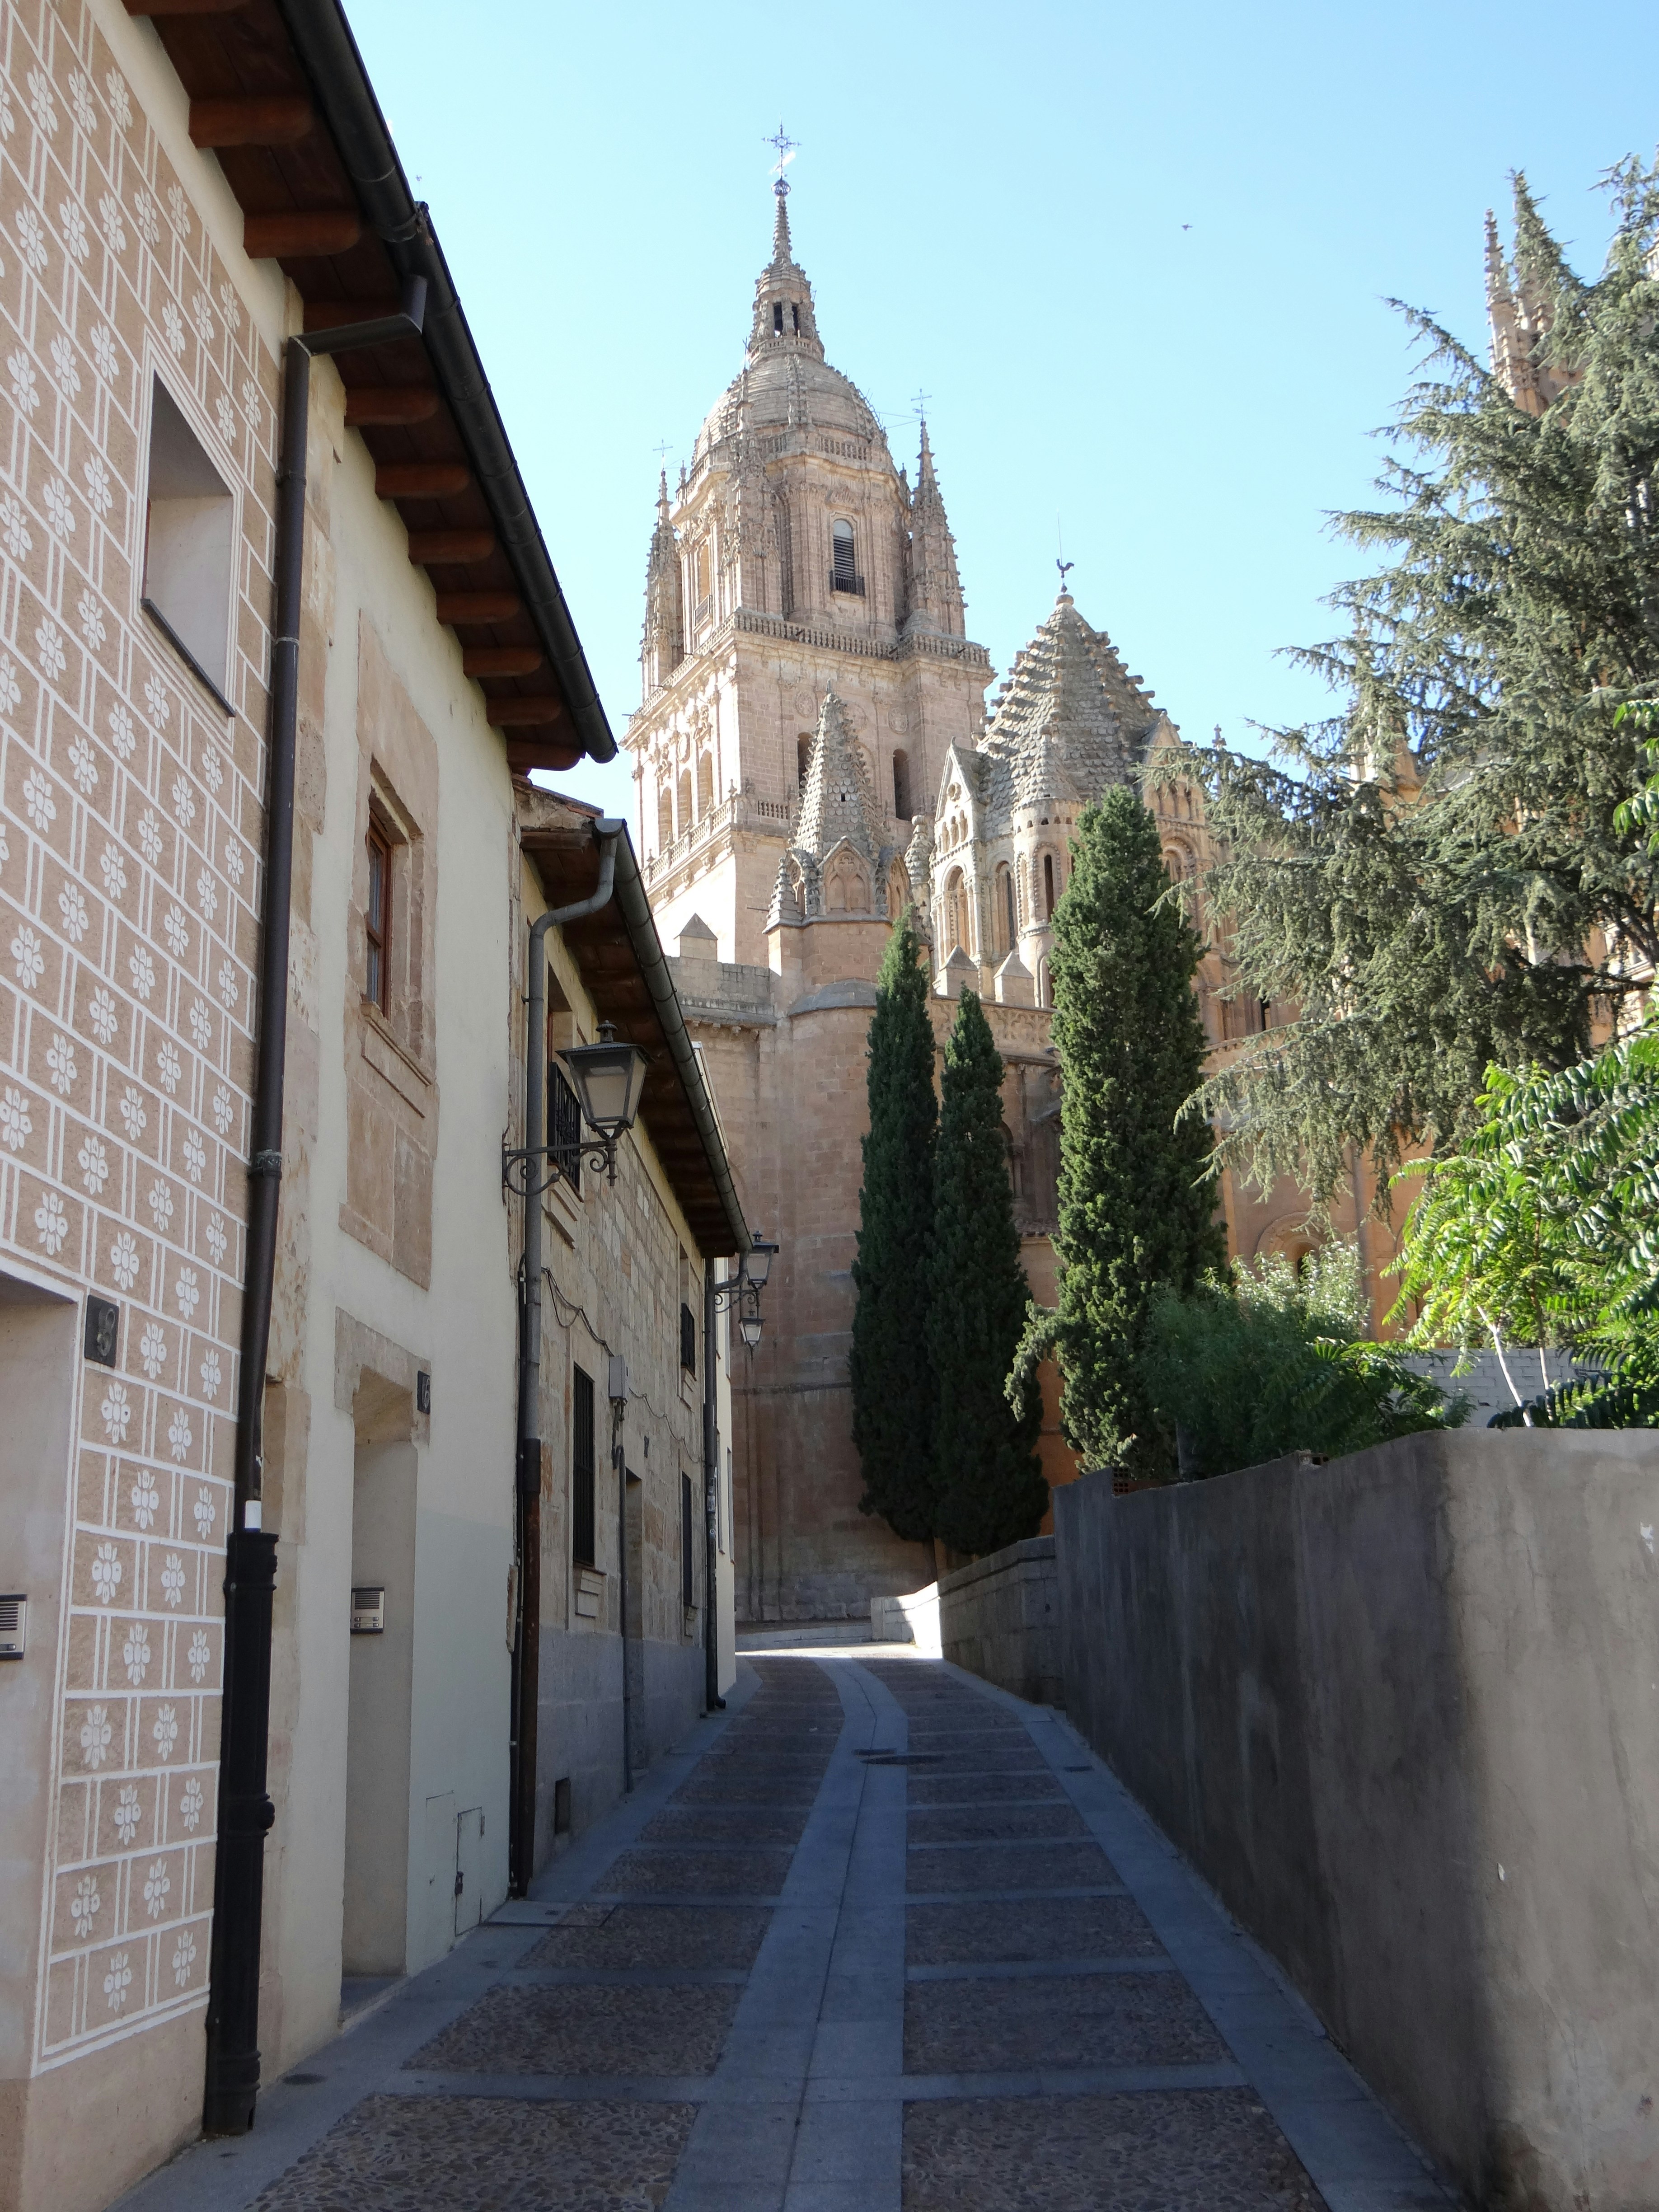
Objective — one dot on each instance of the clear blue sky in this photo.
(991, 204)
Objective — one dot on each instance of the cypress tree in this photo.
(990, 1490)
(893, 1391)
(1137, 1208)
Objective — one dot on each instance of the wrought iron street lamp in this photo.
(745, 1286)
(608, 1078)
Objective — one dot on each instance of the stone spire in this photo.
(784, 316)
(934, 594)
(664, 644)
(835, 801)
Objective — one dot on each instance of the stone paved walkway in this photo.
(877, 1939)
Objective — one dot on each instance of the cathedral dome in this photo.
(784, 382)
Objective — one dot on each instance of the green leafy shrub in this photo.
(1276, 1362)
(1545, 1224)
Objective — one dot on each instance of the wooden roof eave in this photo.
(279, 91)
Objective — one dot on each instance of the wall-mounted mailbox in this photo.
(14, 1626)
(368, 1611)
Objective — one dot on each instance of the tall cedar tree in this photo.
(1136, 1207)
(892, 1375)
(1440, 876)
(989, 1488)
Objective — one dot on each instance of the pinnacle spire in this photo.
(935, 600)
(1498, 275)
(782, 246)
(835, 801)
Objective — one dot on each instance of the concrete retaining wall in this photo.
(1403, 1712)
(999, 1619)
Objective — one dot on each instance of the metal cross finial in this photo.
(919, 400)
(787, 147)
(662, 451)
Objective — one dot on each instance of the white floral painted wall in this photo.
(129, 835)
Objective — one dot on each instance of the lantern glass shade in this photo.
(608, 1078)
(748, 1327)
(757, 1261)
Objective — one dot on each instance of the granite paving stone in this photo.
(725, 1824)
(1018, 1865)
(484, 2155)
(1206, 2150)
(591, 2029)
(725, 1872)
(929, 1787)
(655, 1935)
(1067, 1928)
(1089, 2020)
(964, 1824)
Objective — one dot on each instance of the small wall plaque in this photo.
(103, 1327)
(368, 1611)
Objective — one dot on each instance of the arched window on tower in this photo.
(1002, 908)
(803, 759)
(955, 913)
(901, 786)
(665, 817)
(684, 796)
(1048, 885)
(705, 784)
(843, 561)
(701, 573)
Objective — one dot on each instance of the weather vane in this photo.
(1065, 568)
(787, 147)
(919, 400)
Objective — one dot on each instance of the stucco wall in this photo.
(999, 1618)
(1400, 1710)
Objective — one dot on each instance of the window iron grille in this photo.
(581, 1471)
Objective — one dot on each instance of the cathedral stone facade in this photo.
(813, 754)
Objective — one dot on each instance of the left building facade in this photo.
(185, 201)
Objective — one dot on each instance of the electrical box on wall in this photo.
(368, 1611)
(14, 1626)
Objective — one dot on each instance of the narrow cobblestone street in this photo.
(876, 1937)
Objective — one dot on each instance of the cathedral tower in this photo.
(794, 561)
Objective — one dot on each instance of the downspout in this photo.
(526, 1656)
(711, 1478)
(245, 1812)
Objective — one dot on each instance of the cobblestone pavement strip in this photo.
(877, 1939)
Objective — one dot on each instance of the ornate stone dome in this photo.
(784, 382)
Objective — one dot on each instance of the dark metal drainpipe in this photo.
(711, 1496)
(526, 1649)
(245, 1812)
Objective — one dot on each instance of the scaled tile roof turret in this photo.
(1068, 722)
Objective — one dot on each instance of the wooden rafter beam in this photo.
(421, 479)
(276, 119)
(301, 234)
(389, 403)
(456, 607)
(500, 660)
(455, 549)
(524, 714)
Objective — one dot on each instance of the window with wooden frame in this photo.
(582, 1502)
(688, 1539)
(377, 920)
